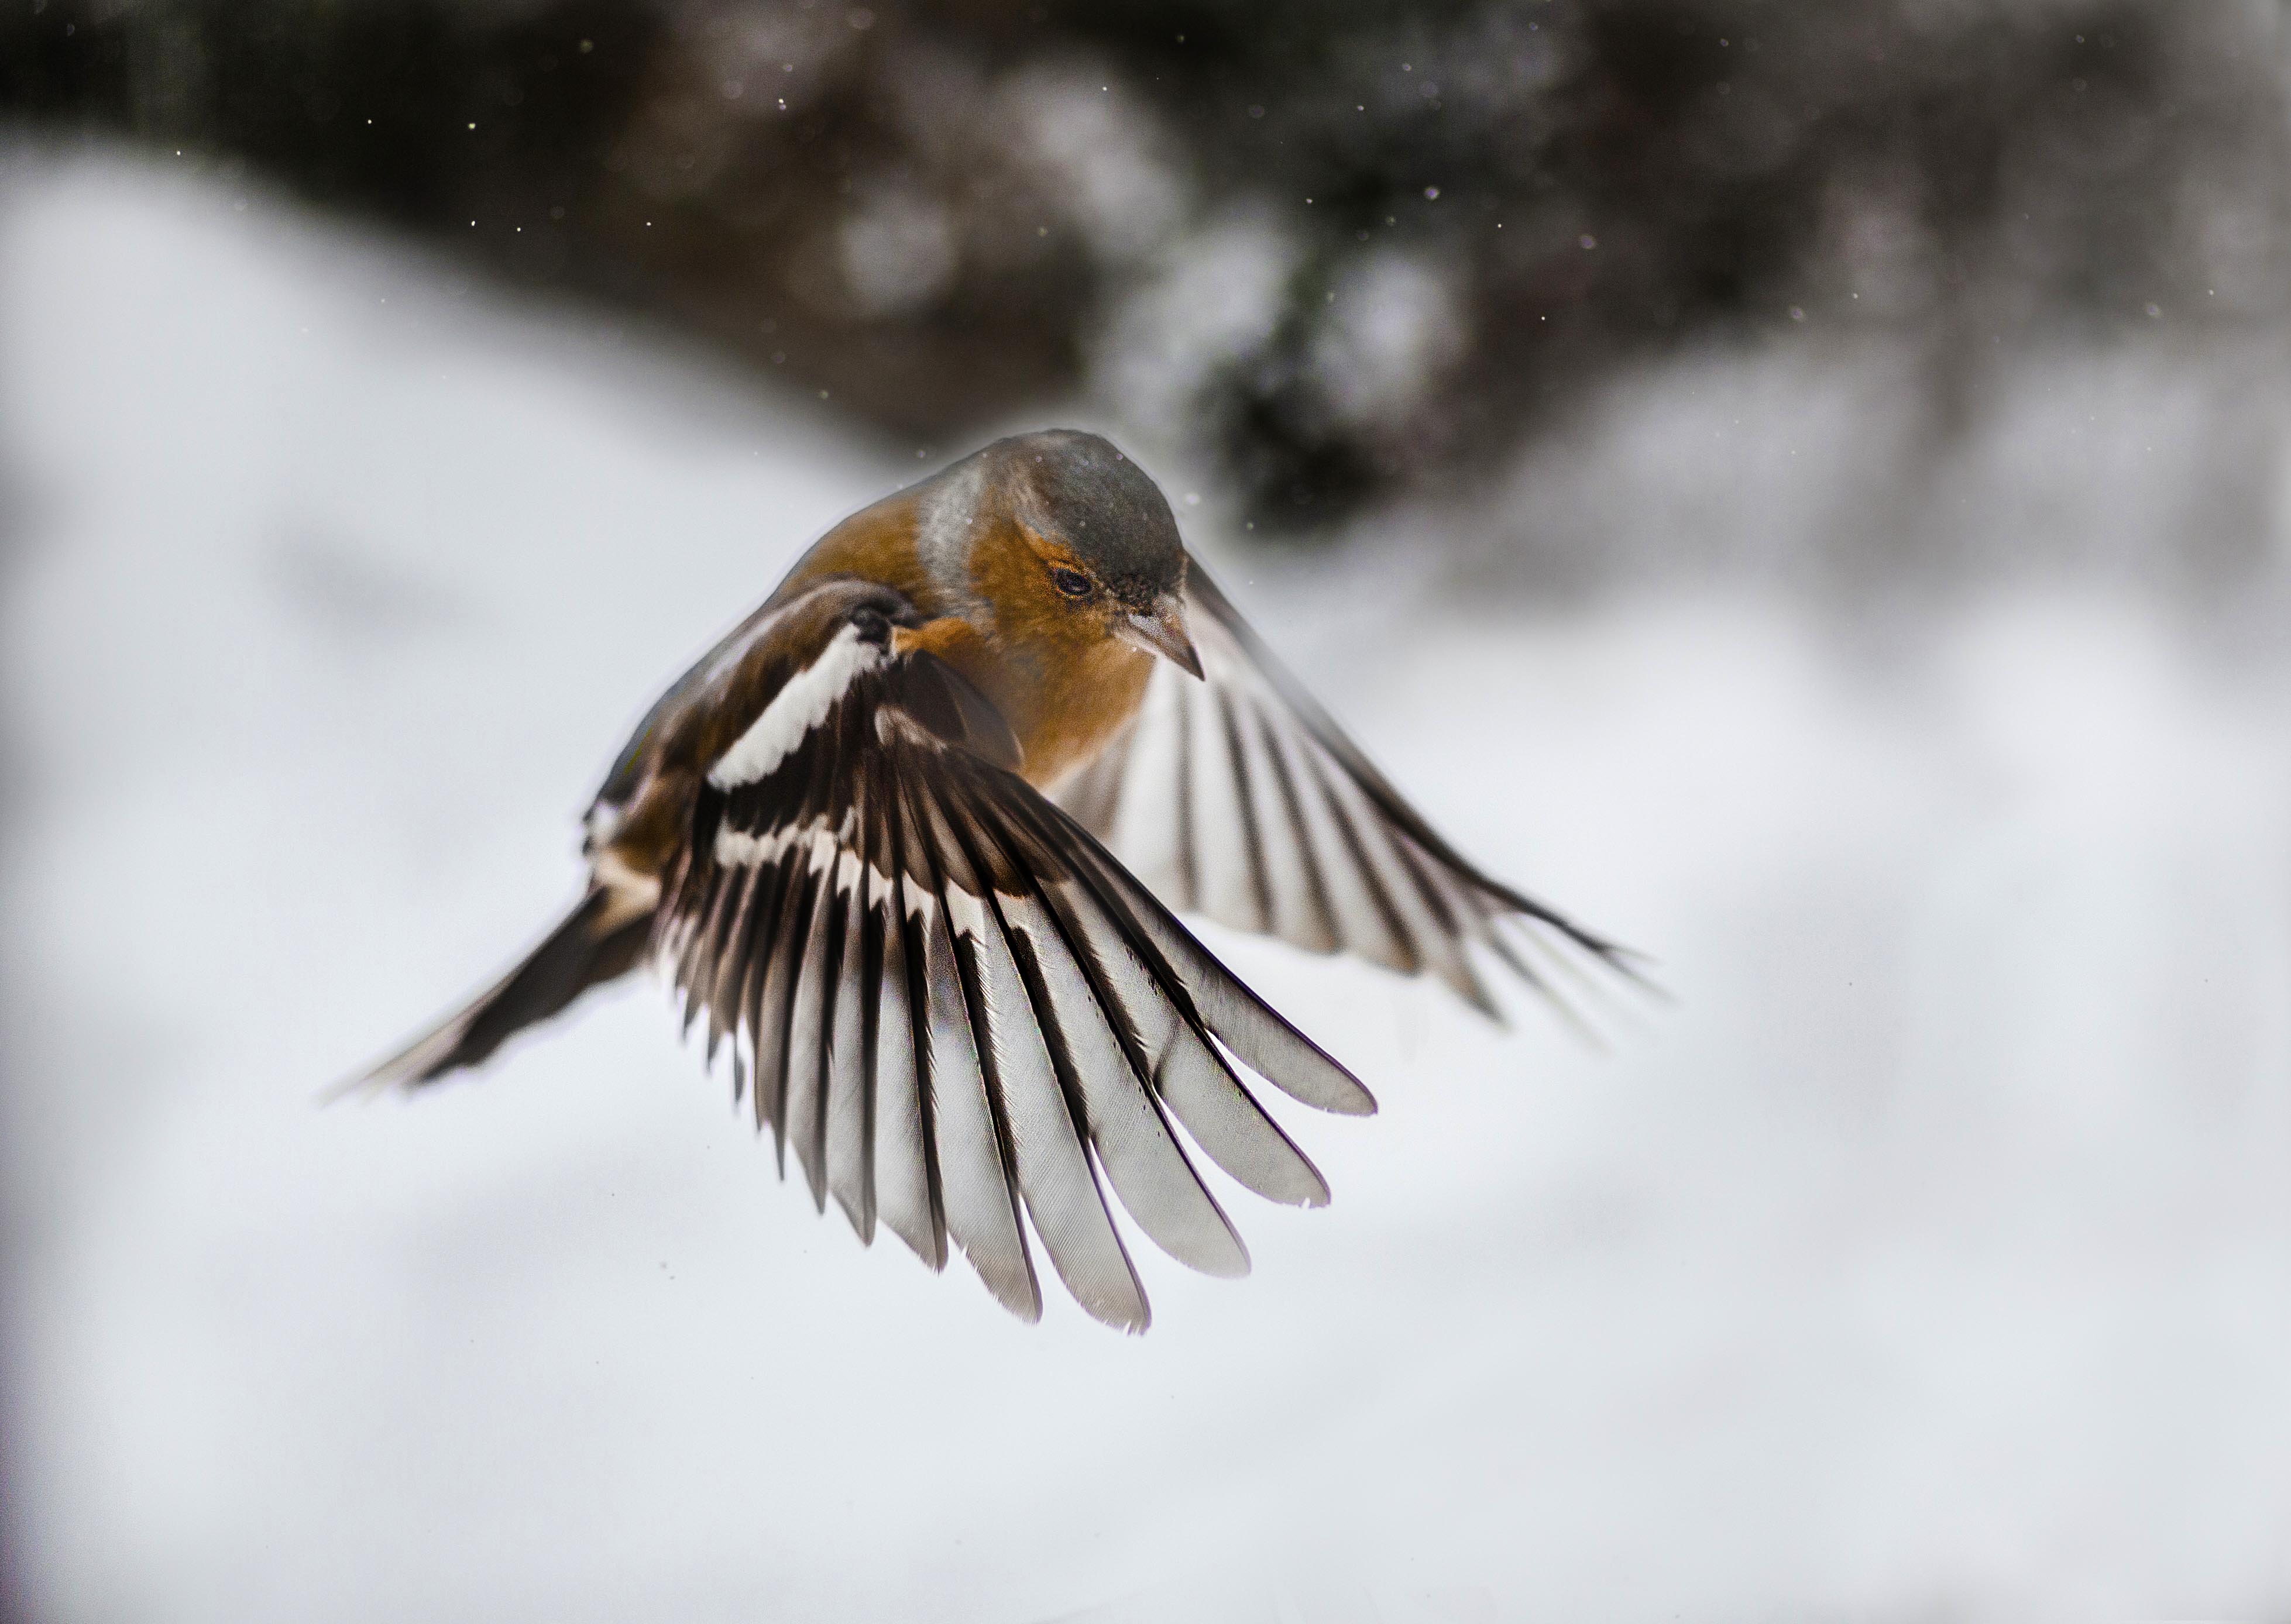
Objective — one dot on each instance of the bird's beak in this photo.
(1162, 631)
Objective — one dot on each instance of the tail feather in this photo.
(597, 942)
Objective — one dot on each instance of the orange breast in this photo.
(1065, 701)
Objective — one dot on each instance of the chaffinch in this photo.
(910, 838)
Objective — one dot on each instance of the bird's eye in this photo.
(1073, 583)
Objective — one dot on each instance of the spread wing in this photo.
(1240, 798)
(961, 1011)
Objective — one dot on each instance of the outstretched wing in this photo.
(1240, 798)
(961, 1011)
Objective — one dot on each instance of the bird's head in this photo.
(1075, 543)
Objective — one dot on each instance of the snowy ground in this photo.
(1932, 1259)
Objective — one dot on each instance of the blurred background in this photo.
(1806, 488)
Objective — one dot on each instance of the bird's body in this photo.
(1065, 688)
(876, 837)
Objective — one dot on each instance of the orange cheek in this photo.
(1013, 574)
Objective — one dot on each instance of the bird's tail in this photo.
(598, 943)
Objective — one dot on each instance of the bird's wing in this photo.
(1238, 797)
(631, 764)
(964, 1015)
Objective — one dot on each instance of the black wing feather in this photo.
(1097, 1044)
(1269, 819)
(966, 1016)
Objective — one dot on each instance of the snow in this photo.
(1927, 1257)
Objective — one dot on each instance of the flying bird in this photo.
(907, 843)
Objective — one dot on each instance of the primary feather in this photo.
(959, 1012)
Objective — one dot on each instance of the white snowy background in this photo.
(1930, 1258)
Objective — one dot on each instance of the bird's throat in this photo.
(1066, 700)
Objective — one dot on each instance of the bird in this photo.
(911, 844)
